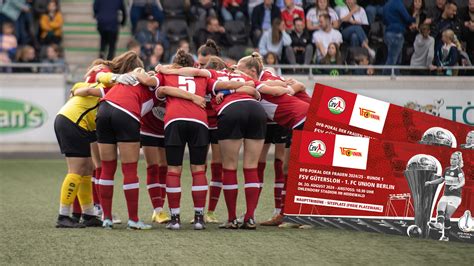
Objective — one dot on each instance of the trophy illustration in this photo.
(439, 137)
(421, 168)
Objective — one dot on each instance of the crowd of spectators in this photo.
(31, 32)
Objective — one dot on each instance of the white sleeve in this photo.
(363, 16)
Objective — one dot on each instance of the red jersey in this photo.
(287, 111)
(134, 100)
(302, 95)
(235, 97)
(92, 77)
(152, 124)
(182, 109)
(288, 16)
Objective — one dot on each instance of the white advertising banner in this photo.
(28, 106)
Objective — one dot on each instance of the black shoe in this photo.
(199, 223)
(249, 225)
(68, 222)
(230, 225)
(91, 221)
(174, 223)
(76, 217)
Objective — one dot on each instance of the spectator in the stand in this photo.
(183, 44)
(53, 56)
(269, 60)
(446, 54)
(290, 12)
(353, 24)
(262, 18)
(417, 11)
(25, 54)
(396, 20)
(135, 46)
(374, 8)
(435, 11)
(11, 11)
(202, 9)
(301, 49)
(51, 24)
(213, 31)
(106, 13)
(252, 4)
(151, 35)
(141, 9)
(333, 57)
(156, 57)
(275, 39)
(363, 60)
(447, 20)
(325, 36)
(424, 48)
(8, 43)
(312, 17)
(468, 29)
(233, 10)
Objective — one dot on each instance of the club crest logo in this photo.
(350, 152)
(317, 148)
(369, 114)
(336, 105)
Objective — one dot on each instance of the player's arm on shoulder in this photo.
(146, 80)
(163, 91)
(228, 85)
(273, 90)
(249, 90)
(185, 71)
(88, 91)
(275, 83)
(296, 85)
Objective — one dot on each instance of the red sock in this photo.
(173, 191)
(162, 172)
(252, 186)
(107, 187)
(95, 197)
(215, 186)
(96, 185)
(76, 207)
(231, 190)
(153, 185)
(131, 187)
(199, 190)
(279, 182)
(283, 196)
(261, 175)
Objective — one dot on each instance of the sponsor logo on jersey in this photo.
(369, 114)
(336, 105)
(350, 152)
(317, 148)
(18, 115)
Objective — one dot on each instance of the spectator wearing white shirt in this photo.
(325, 36)
(312, 17)
(275, 39)
(353, 18)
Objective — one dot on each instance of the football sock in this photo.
(106, 190)
(84, 194)
(283, 195)
(261, 175)
(95, 187)
(162, 172)
(199, 190)
(153, 185)
(215, 186)
(252, 187)
(68, 193)
(173, 191)
(231, 189)
(131, 188)
(76, 206)
(279, 183)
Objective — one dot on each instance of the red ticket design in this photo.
(381, 186)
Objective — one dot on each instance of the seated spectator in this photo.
(135, 46)
(312, 16)
(107, 15)
(434, 12)
(396, 20)
(363, 60)
(233, 10)
(141, 9)
(468, 29)
(290, 12)
(25, 54)
(202, 9)
(51, 25)
(424, 48)
(274, 40)
(183, 44)
(270, 59)
(18, 12)
(447, 20)
(262, 19)
(301, 49)
(446, 54)
(213, 31)
(374, 8)
(156, 57)
(353, 20)
(8, 43)
(52, 57)
(325, 36)
(150, 36)
(332, 57)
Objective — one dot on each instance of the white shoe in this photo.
(107, 224)
(116, 220)
(138, 225)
